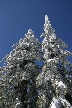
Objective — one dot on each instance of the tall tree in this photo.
(55, 81)
(24, 84)
(18, 76)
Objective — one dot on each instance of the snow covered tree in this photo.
(24, 84)
(55, 81)
(18, 76)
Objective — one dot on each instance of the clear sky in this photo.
(17, 16)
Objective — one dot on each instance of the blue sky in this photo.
(17, 16)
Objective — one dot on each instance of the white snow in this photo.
(16, 98)
(54, 103)
(18, 103)
(61, 84)
(49, 60)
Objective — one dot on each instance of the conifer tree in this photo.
(24, 84)
(18, 76)
(55, 81)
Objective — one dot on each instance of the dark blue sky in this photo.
(17, 16)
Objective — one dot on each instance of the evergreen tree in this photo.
(18, 76)
(24, 84)
(55, 81)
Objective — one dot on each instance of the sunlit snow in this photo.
(61, 84)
